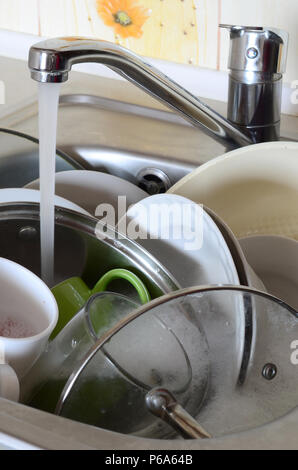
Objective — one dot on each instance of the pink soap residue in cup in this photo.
(11, 327)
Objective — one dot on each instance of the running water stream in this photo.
(48, 115)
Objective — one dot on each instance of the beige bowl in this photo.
(253, 189)
(275, 260)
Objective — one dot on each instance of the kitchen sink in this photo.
(153, 149)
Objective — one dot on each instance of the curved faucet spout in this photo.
(51, 60)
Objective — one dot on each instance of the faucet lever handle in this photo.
(257, 48)
(233, 27)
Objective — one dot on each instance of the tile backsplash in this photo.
(184, 31)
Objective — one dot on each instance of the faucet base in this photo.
(259, 134)
(254, 104)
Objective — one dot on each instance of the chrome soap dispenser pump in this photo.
(257, 61)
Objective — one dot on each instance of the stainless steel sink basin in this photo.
(149, 147)
(151, 173)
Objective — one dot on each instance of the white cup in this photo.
(28, 315)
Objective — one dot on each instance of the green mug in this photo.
(71, 295)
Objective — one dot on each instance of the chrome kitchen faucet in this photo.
(257, 61)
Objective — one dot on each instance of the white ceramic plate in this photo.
(275, 261)
(180, 253)
(32, 195)
(210, 263)
(253, 189)
(88, 189)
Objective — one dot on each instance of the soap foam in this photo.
(13, 327)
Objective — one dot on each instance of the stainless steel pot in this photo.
(78, 250)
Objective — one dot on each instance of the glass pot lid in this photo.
(237, 344)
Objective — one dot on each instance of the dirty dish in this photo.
(12, 195)
(78, 249)
(9, 383)
(183, 237)
(43, 386)
(28, 315)
(253, 189)
(275, 260)
(247, 276)
(112, 392)
(250, 360)
(72, 294)
(89, 189)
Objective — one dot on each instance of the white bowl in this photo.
(275, 261)
(88, 189)
(32, 195)
(253, 189)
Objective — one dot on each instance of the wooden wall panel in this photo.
(19, 15)
(184, 31)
